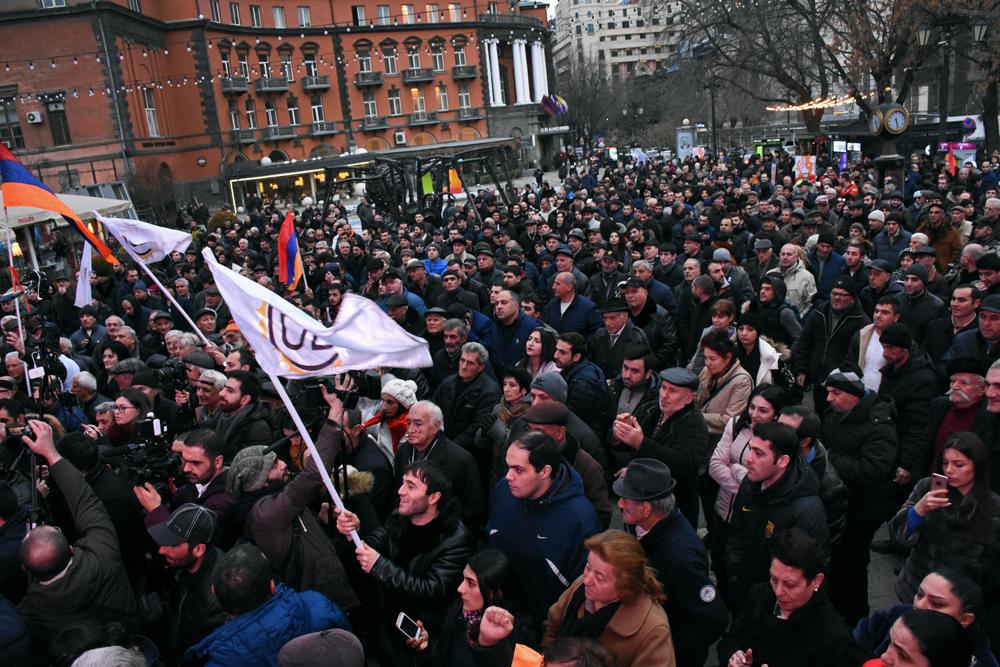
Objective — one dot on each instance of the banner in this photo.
(147, 242)
(805, 167)
(84, 295)
(289, 343)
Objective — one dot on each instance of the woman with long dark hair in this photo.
(952, 523)
(130, 406)
(539, 349)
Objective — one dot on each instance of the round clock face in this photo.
(875, 122)
(896, 120)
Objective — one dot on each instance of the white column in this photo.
(497, 95)
(540, 71)
(488, 62)
(521, 72)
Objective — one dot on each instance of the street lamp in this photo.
(979, 31)
(923, 35)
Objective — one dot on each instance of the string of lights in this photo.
(821, 103)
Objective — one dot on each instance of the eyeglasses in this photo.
(123, 408)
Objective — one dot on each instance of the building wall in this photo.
(149, 93)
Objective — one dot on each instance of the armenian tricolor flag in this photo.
(289, 257)
(20, 188)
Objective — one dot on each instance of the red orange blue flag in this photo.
(21, 188)
(289, 257)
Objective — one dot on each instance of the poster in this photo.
(805, 167)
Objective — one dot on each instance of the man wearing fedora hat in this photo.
(696, 612)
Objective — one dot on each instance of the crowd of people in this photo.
(669, 407)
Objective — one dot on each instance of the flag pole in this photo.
(165, 292)
(311, 446)
(17, 305)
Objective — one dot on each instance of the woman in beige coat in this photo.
(723, 386)
(617, 603)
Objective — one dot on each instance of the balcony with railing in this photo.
(272, 84)
(464, 72)
(234, 85)
(374, 123)
(368, 79)
(317, 83)
(274, 132)
(511, 19)
(418, 75)
(321, 127)
(469, 113)
(244, 136)
(423, 117)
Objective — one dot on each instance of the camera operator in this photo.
(169, 413)
(130, 406)
(206, 475)
(51, 402)
(241, 420)
(209, 392)
(115, 493)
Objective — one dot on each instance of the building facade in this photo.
(164, 94)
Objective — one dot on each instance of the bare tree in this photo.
(594, 107)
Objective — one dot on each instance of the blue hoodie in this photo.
(253, 639)
(544, 536)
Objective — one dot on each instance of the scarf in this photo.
(592, 624)
(510, 412)
(471, 620)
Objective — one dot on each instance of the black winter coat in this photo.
(609, 359)
(912, 388)
(832, 491)
(661, 333)
(823, 345)
(462, 472)
(464, 404)
(760, 514)
(862, 446)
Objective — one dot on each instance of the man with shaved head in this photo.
(71, 583)
(568, 311)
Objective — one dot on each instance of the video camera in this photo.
(170, 371)
(148, 459)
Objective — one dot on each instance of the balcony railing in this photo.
(511, 19)
(374, 123)
(272, 84)
(418, 74)
(464, 72)
(423, 117)
(234, 84)
(469, 113)
(316, 82)
(244, 136)
(273, 132)
(324, 127)
(368, 79)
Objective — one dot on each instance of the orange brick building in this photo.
(165, 95)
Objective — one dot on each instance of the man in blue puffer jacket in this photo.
(264, 617)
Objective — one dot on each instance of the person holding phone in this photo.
(951, 518)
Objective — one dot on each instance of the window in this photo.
(413, 57)
(364, 61)
(49, 4)
(227, 67)
(384, 15)
(389, 60)
(371, 109)
(409, 16)
(310, 65)
(244, 65)
(216, 11)
(251, 114)
(464, 97)
(433, 14)
(234, 115)
(455, 12)
(293, 110)
(460, 55)
(417, 95)
(270, 112)
(234, 13)
(287, 70)
(255, 16)
(442, 95)
(305, 17)
(150, 103)
(135, 6)
(316, 108)
(358, 14)
(265, 65)
(437, 57)
(395, 105)
(10, 127)
(279, 16)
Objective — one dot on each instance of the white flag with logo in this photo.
(147, 242)
(84, 294)
(289, 343)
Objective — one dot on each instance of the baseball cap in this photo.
(189, 523)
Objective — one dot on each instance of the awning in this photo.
(83, 206)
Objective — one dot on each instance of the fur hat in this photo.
(248, 471)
